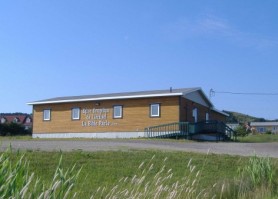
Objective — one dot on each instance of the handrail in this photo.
(187, 130)
(176, 129)
(232, 133)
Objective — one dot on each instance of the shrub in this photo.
(268, 132)
(12, 129)
(241, 131)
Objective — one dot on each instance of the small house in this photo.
(18, 118)
(263, 127)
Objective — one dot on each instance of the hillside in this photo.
(236, 117)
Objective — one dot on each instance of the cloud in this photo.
(185, 27)
(212, 27)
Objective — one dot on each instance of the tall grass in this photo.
(259, 171)
(256, 179)
(16, 181)
(148, 183)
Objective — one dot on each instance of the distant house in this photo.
(262, 127)
(24, 119)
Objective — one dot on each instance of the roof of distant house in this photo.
(264, 124)
(21, 118)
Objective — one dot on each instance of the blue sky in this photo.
(62, 48)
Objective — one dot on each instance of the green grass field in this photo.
(259, 138)
(105, 169)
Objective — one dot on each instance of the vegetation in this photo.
(17, 182)
(136, 174)
(259, 138)
(235, 117)
(16, 113)
(241, 131)
(13, 129)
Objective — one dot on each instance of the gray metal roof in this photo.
(264, 124)
(124, 95)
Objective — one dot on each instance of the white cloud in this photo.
(213, 27)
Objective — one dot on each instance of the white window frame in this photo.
(207, 116)
(15, 120)
(195, 114)
(156, 106)
(3, 120)
(28, 120)
(46, 114)
(75, 113)
(117, 109)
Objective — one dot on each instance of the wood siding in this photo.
(187, 107)
(136, 116)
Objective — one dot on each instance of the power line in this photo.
(212, 93)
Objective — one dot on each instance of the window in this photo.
(118, 112)
(195, 114)
(155, 110)
(75, 113)
(15, 120)
(207, 116)
(3, 120)
(261, 129)
(46, 114)
(28, 120)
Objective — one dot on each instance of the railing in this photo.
(220, 129)
(188, 130)
(230, 133)
(177, 129)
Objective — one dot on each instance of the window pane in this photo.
(75, 114)
(46, 114)
(117, 111)
(207, 116)
(195, 114)
(155, 110)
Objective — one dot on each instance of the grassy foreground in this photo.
(164, 173)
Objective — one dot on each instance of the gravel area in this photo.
(242, 149)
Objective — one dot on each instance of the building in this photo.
(19, 118)
(263, 127)
(119, 115)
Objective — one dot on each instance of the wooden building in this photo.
(119, 115)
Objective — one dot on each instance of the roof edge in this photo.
(103, 98)
(220, 112)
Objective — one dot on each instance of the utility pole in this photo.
(211, 93)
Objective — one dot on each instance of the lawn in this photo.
(105, 169)
(259, 138)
